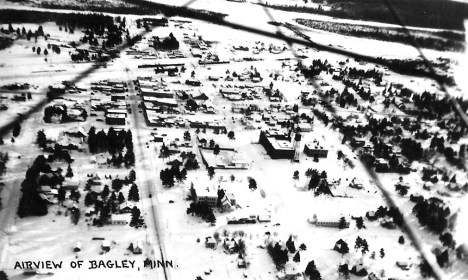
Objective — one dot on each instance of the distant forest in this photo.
(438, 40)
(438, 14)
(140, 8)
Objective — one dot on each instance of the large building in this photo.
(115, 119)
(277, 144)
(157, 92)
(314, 149)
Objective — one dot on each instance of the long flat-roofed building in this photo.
(158, 92)
(277, 144)
(115, 119)
(160, 101)
(313, 149)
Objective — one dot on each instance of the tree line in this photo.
(113, 142)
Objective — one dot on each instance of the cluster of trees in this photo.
(110, 201)
(58, 154)
(315, 69)
(201, 209)
(361, 243)
(321, 116)
(55, 48)
(391, 212)
(168, 176)
(169, 43)
(31, 204)
(318, 182)
(279, 255)
(431, 213)
(23, 33)
(411, 149)
(114, 143)
(38, 50)
(189, 159)
(383, 34)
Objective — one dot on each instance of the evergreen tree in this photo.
(344, 270)
(135, 220)
(360, 223)
(231, 135)
(16, 129)
(3, 275)
(314, 180)
(105, 192)
(290, 245)
(41, 139)
(296, 175)
(182, 176)
(69, 172)
(312, 272)
(89, 199)
(342, 223)
(211, 172)
(75, 216)
(133, 194)
(252, 184)
(297, 257)
(447, 240)
(443, 258)
(61, 194)
(117, 184)
(216, 149)
(401, 240)
(121, 198)
(365, 247)
(382, 253)
(425, 269)
(132, 176)
(129, 158)
(358, 243)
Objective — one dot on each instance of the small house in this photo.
(126, 207)
(71, 185)
(137, 247)
(210, 243)
(359, 270)
(340, 246)
(371, 215)
(388, 223)
(77, 247)
(121, 219)
(106, 245)
(264, 218)
(403, 265)
(356, 184)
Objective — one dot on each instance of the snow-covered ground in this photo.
(52, 237)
